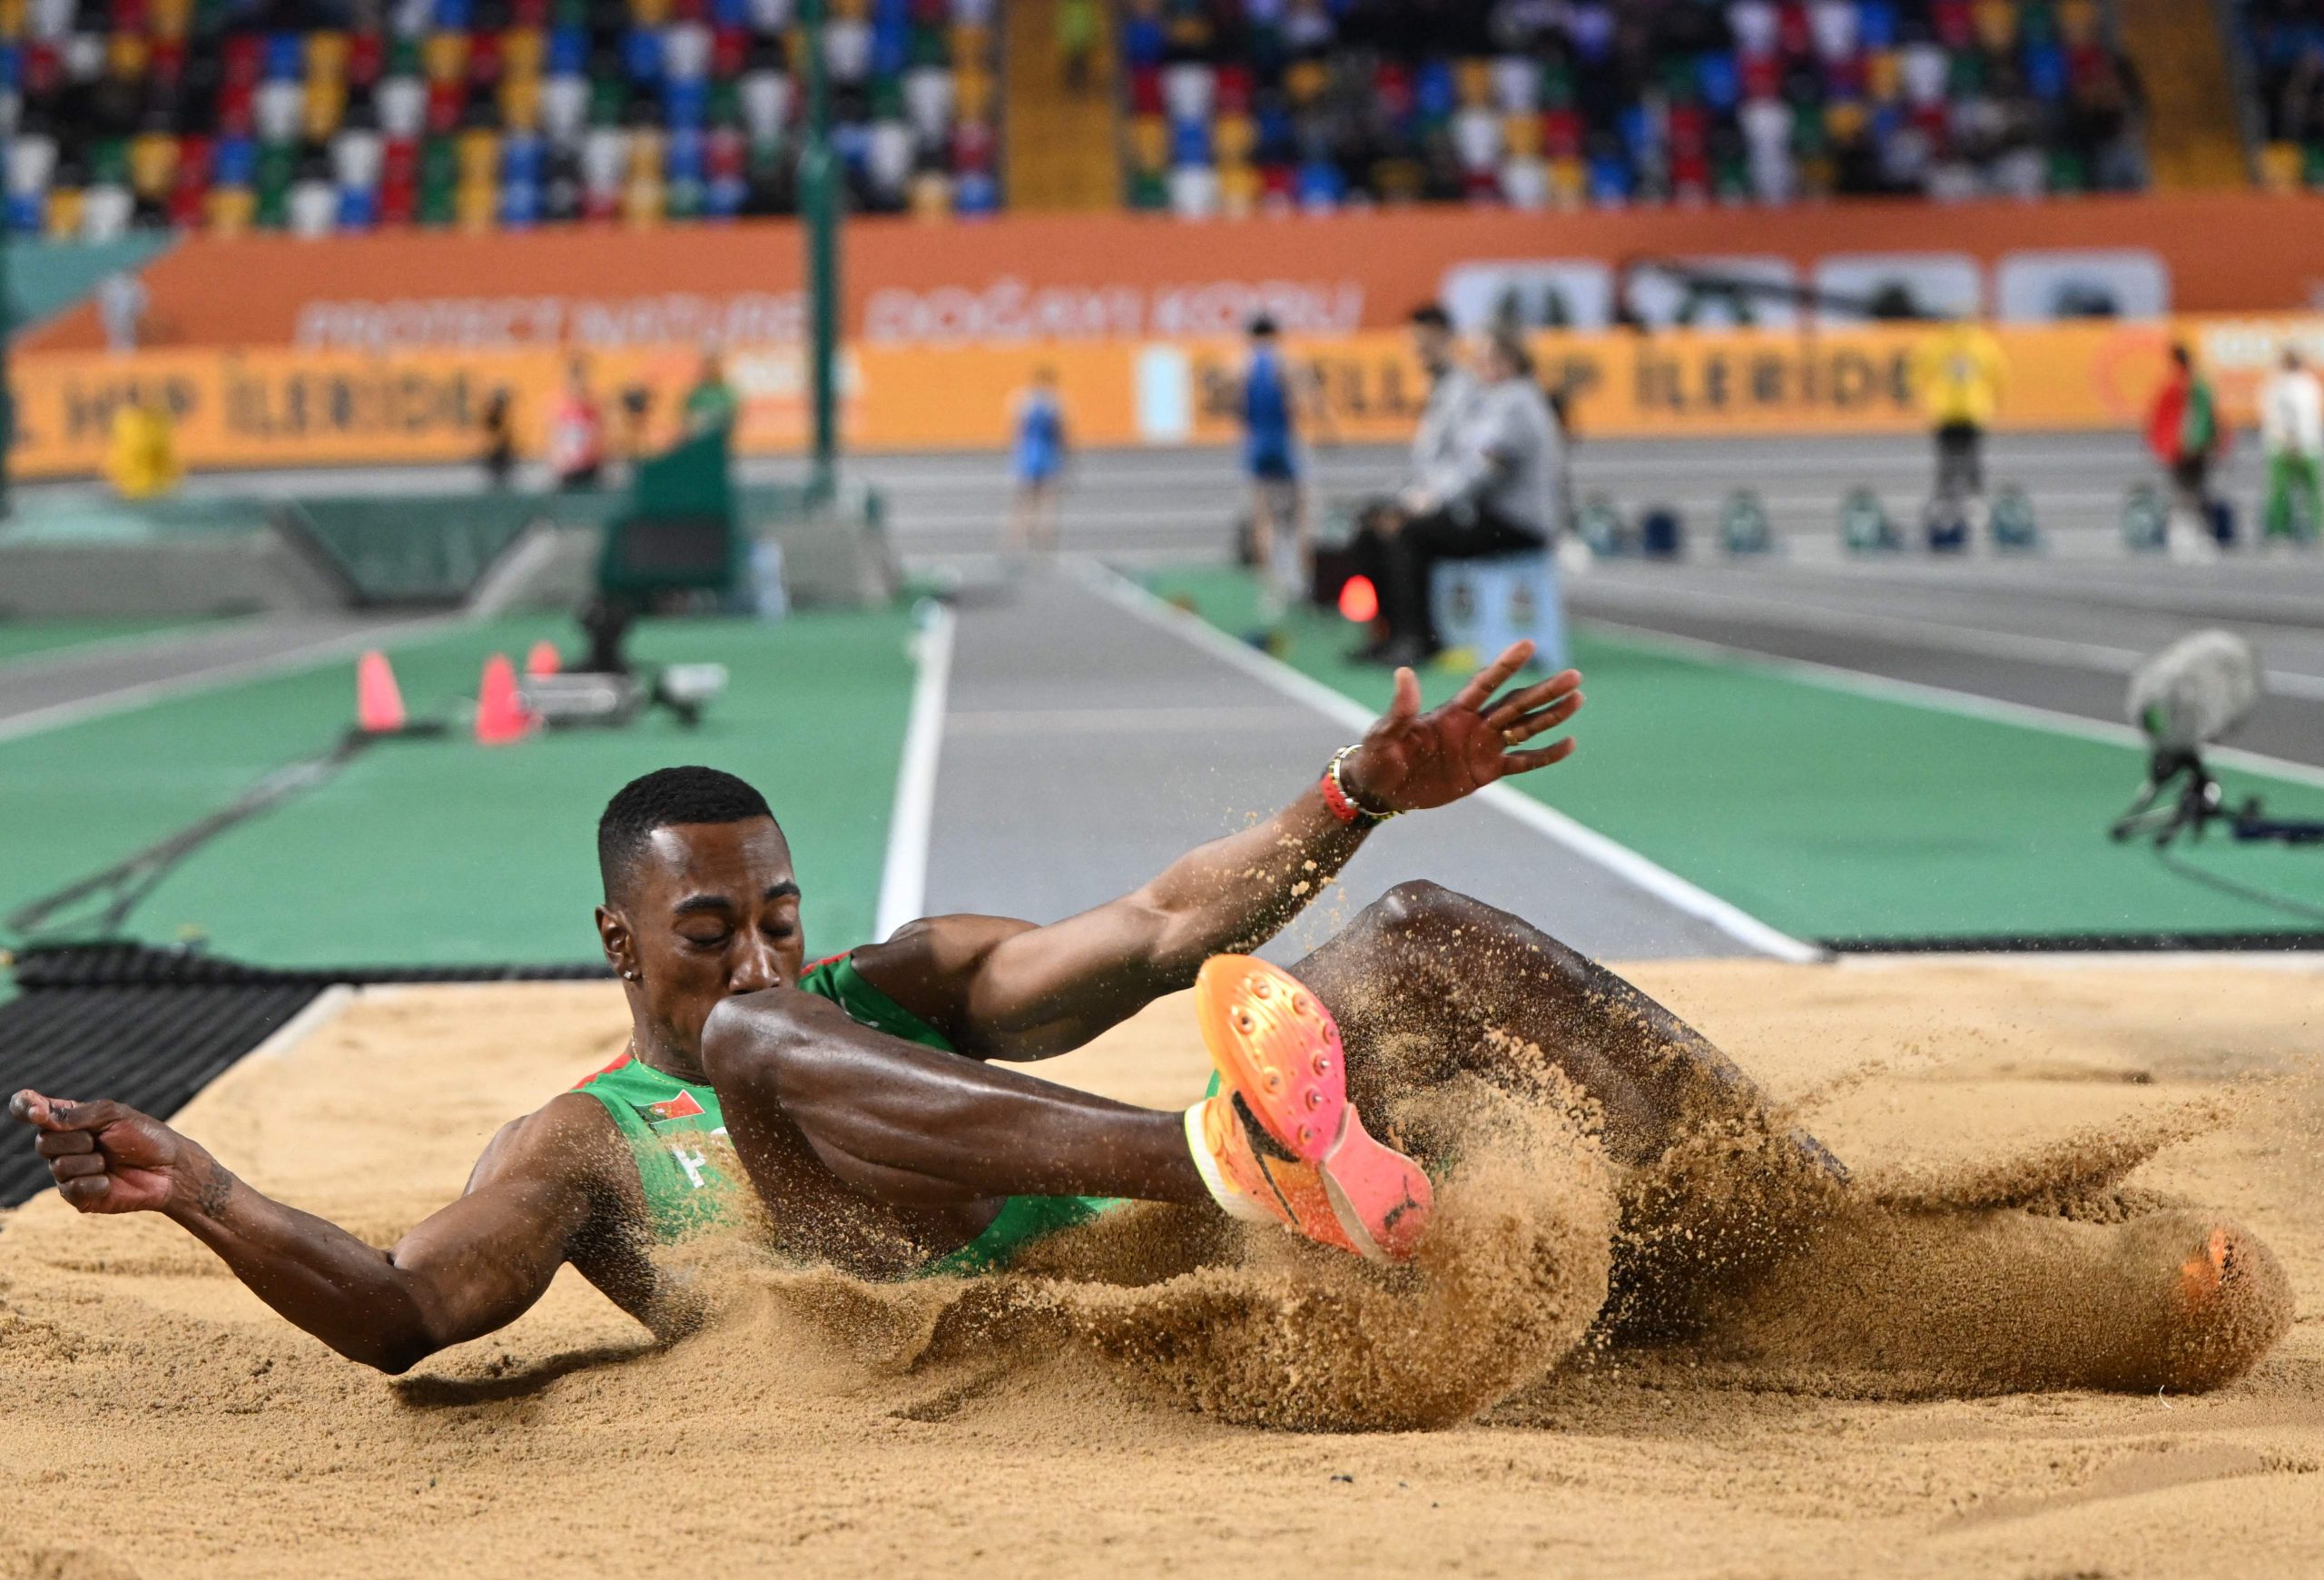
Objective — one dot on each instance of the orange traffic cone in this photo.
(500, 716)
(378, 705)
(542, 659)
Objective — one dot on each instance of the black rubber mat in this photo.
(150, 1027)
(150, 1047)
(2077, 943)
(94, 965)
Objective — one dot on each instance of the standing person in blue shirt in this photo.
(1280, 532)
(1038, 456)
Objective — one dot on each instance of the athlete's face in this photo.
(711, 910)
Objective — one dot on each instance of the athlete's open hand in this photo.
(1410, 760)
(107, 1157)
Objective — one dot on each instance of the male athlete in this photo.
(867, 1098)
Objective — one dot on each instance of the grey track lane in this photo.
(2051, 636)
(55, 686)
(1085, 749)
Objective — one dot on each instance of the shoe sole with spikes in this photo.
(1276, 1044)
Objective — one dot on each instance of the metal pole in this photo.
(819, 205)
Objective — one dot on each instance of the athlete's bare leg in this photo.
(1023, 527)
(1424, 973)
(1264, 527)
(1045, 517)
(2178, 1300)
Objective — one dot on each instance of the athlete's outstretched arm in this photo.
(1008, 988)
(474, 1267)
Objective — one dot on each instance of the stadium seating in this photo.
(322, 115)
(1234, 104)
(2284, 40)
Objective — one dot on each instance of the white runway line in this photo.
(321, 1011)
(903, 879)
(196, 634)
(1913, 631)
(56, 715)
(1587, 842)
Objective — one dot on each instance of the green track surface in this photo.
(20, 638)
(1831, 814)
(444, 852)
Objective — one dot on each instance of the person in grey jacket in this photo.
(1490, 485)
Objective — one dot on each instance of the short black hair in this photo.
(1428, 315)
(665, 797)
(1261, 327)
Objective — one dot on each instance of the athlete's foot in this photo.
(2226, 1304)
(2179, 1301)
(1279, 1139)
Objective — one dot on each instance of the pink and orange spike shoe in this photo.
(1279, 1141)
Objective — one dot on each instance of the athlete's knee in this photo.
(1419, 908)
(1431, 919)
(746, 1047)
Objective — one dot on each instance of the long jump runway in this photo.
(46, 690)
(1084, 748)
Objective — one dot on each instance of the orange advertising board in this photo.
(281, 407)
(1121, 277)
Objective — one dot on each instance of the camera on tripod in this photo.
(2190, 695)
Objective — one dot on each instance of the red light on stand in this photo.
(1359, 600)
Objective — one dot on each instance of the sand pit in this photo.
(158, 1420)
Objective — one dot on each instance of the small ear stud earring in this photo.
(629, 976)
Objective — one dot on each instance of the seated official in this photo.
(1495, 493)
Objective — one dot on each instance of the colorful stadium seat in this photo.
(1317, 103)
(314, 115)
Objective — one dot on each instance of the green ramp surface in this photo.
(1832, 812)
(444, 852)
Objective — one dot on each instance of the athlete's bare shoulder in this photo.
(569, 1139)
(570, 1148)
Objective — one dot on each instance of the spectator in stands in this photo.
(2291, 429)
(122, 300)
(2299, 104)
(1037, 450)
(1496, 493)
(1958, 371)
(2183, 431)
(499, 425)
(1076, 42)
(710, 407)
(2101, 128)
(577, 432)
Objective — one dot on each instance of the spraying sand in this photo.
(2021, 1136)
